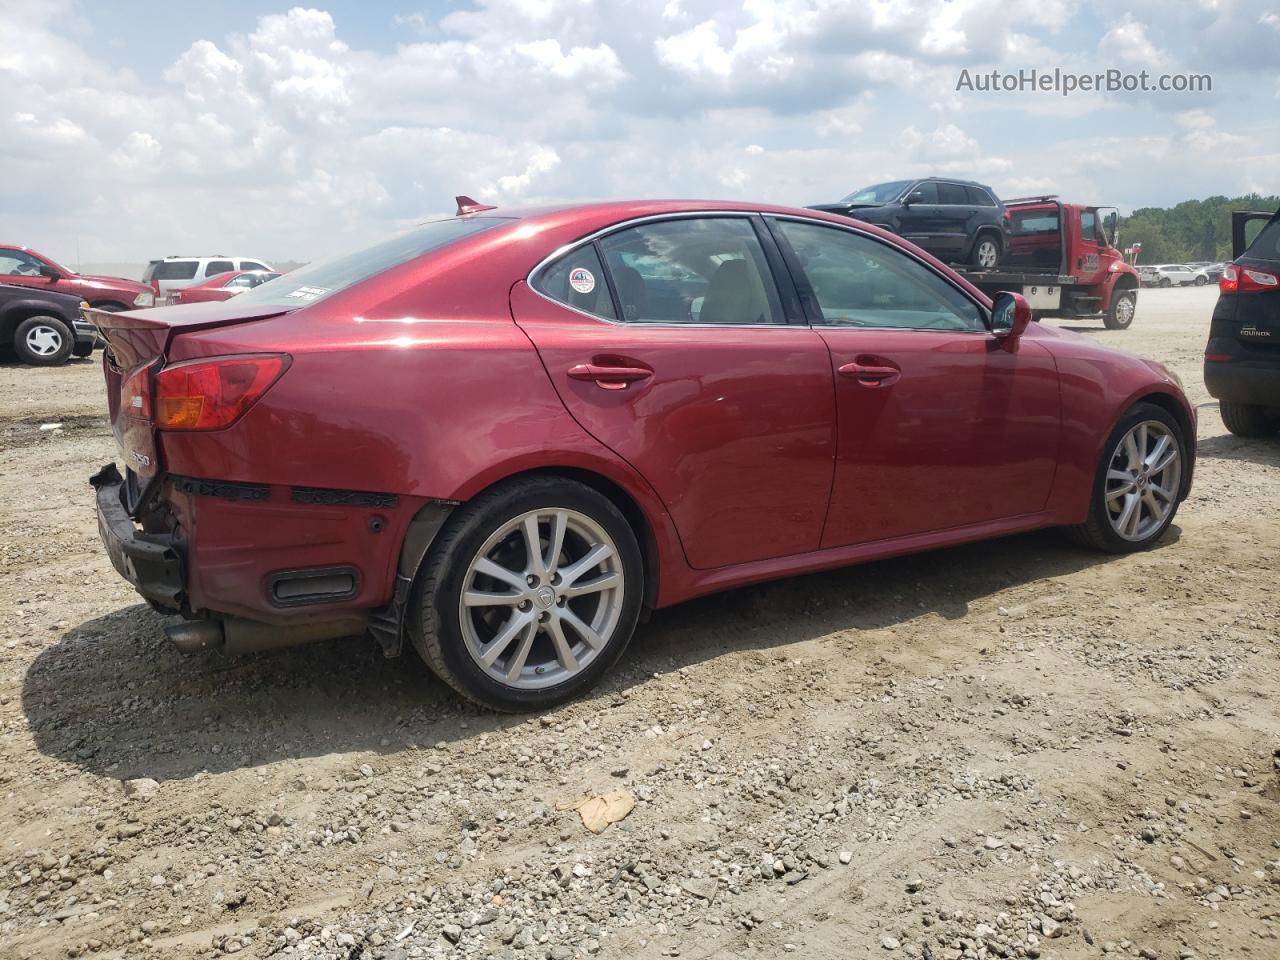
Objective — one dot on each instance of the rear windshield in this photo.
(1266, 245)
(170, 270)
(317, 280)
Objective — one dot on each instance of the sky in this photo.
(132, 130)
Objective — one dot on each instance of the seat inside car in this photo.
(632, 293)
(733, 296)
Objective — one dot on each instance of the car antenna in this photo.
(466, 205)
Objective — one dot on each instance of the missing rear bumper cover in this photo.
(347, 498)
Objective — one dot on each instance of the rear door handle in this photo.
(870, 375)
(607, 377)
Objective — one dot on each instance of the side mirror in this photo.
(915, 196)
(48, 272)
(1010, 314)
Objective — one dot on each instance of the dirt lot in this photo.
(1017, 748)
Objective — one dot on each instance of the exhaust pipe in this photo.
(196, 635)
(235, 635)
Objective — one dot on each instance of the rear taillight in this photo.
(214, 393)
(135, 394)
(1238, 279)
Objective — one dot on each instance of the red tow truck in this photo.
(1066, 260)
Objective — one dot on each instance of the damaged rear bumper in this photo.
(151, 562)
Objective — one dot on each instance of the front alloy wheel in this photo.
(1143, 480)
(528, 594)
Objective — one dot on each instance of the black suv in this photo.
(958, 221)
(43, 327)
(1242, 358)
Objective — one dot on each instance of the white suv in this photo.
(1173, 274)
(174, 273)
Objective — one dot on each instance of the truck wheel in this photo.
(1123, 306)
(1248, 419)
(986, 252)
(43, 341)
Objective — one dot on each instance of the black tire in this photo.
(981, 245)
(1124, 305)
(82, 352)
(1097, 531)
(1248, 419)
(33, 333)
(434, 620)
(1166, 282)
(1200, 281)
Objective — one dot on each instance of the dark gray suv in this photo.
(958, 221)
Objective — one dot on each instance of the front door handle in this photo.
(870, 375)
(608, 377)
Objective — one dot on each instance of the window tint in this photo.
(1266, 245)
(171, 270)
(215, 267)
(979, 197)
(928, 192)
(578, 280)
(1033, 221)
(879, 193)
(952, 193)
(15, 263)
(860, 282)
(252, 265)
(696, 270)
(316, 280)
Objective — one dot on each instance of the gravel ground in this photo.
(1011, 749)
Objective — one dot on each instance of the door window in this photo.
(861, 282)
(979, 197)
(953, 194)
(577, 280)
(926, 192)
(15, 263)
(216, 267)
(706, 270)
(1088, 225)
(252, 265)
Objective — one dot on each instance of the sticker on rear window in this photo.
(582, 279)
(308, 293)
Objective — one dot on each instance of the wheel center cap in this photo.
(544, 597)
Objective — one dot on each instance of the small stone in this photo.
(890, 943)
(846, 857)
(144, 788)
(993, 843)
(702, 889)
(452, 932)
(915, 884)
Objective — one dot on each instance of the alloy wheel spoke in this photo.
(1162, 493)
(1158, 510)
(1165, 462)
(1131, 451)
(594, 557)
(482, 598)
(509, 577)
(492, 650)
(522, 652)
(1124, 476)
(1131, 507)
(559, 522)
(606, 581)
(533, 546)
(564, 651)
(1118, 492)
(593, 639)
(1157, 452)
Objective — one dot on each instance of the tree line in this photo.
(1192, 230)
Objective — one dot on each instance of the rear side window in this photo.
(171, 270)
(1266, 245)
(317, 280)
(577, 280)
(252, 265)
(953, 194)
(707, 270)
(979, 197)
(1032, 222)
(215, 267)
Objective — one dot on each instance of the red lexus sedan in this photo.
(222, 287)
(506, 435)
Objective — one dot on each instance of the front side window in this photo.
(926, 192)
(577, 280)
(709, 270)
(215, 267)
(1088, 225)
(878, 194)
(15, 263)
(861, 282)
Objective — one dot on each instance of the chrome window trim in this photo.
(983, 312)
(567, 248)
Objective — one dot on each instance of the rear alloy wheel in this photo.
(986, 252)
(530, 593)
(1166, 282)
(1249, 419)
(1139, 482)
(43, 341)
(1200, 281)
(1123, 306)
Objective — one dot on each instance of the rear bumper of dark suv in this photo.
(1238, 380)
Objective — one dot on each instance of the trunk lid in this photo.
(137, 342)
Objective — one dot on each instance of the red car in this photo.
(25, 267)
(222, 287)
(508, 435)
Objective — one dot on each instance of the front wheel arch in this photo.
(111, 306)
